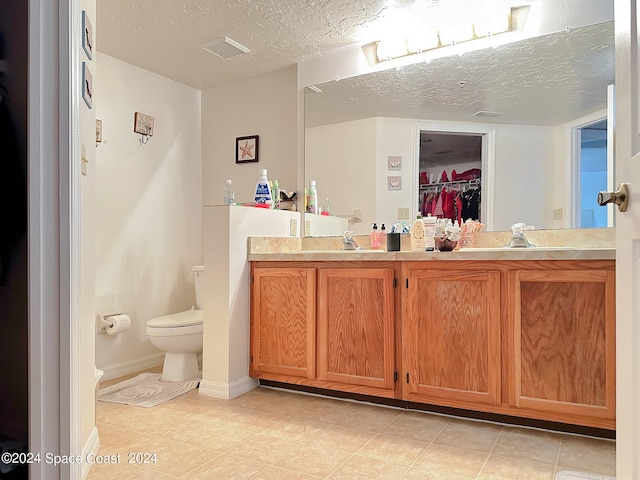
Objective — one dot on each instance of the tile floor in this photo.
(272, 434)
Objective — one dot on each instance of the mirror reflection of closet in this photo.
(449, 175)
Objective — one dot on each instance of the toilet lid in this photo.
(181, 319)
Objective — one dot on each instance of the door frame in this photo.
(488, 162)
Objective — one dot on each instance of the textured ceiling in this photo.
(165, 36)
(545, 80)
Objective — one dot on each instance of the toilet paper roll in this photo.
(119, 323)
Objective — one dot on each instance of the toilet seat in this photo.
(182, 323)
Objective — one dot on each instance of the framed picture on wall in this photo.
(87, 35)
(247, 149)
(87, 85)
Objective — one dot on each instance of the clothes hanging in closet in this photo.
(13, 197)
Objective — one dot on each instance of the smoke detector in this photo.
(225, 47)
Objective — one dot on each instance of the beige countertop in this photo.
(471, 254)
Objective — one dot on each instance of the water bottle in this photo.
(229, 193)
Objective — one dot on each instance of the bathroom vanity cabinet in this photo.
(531, 338)
(347, 343)
(451, 334)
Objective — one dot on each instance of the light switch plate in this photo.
(293, 227)
(403, 214)
(558, 213)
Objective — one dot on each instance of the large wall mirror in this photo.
(362, 134)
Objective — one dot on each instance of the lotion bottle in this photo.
(417, 235)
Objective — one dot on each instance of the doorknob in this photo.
(619, 197)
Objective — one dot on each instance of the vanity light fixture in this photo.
(449, 33)
(225, 47)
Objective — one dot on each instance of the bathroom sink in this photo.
(526, 249)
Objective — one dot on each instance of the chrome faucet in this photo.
(348, 242)
(518, 240)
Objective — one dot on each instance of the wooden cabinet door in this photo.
(564, 343)
(451, 337)
(283, 318)
(356, 328)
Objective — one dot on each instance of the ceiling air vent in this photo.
(225, 47)
(487, 113)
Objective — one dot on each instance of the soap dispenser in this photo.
(375, 238)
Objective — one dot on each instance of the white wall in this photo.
(341, 159)
(523, 167)
(225, 360)
(148, 228)
(264, 106)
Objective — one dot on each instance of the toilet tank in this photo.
(198, 271)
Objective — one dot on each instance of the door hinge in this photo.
(395, 282)
(395, 376)
(407, 377)
(407, 284)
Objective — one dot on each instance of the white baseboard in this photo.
(91, 447)
(227, 390)
(132, 366)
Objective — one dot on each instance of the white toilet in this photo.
(179, 335)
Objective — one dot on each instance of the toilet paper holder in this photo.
(105, 322)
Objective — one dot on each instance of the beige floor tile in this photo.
(311, 460)
(341, 438)
(393, 449)
(114, 413)
(420, 426)
(419, 474)
(142, 473)
(369, 418)
(265, 449)
(274, 401)
(277, 473)
(469, 435)
(366, 468)
(140, 443)
(226, 467)
(178, 458)
(248, 419)
(299, 429)
(527, 444)
(111, 434)
(452, 461)
(504, 468)
(220, 438)
(325, 410)
(588, 455)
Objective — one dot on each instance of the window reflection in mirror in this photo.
(592, 154)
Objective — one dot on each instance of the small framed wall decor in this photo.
(87, 85)
(394, 183)
(247, 149)
(394, 162)
(143, 124)
(87, 35)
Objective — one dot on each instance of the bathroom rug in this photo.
(146, 390)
